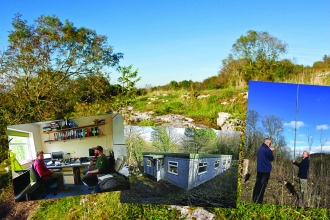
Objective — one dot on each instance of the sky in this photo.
(313, 119)
(185, 40)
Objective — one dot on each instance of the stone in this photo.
(202, 214)
(245, 166)
(223, 116)
(203, 96)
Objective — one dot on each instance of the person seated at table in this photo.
(45, 173)
(101, 167)
(93, 162)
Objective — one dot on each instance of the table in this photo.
(71, 172)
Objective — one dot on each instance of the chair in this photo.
(44, 185)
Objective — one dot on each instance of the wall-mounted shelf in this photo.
(76, 128)
(75, 133)
(81, 138)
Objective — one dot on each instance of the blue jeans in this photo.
(260, 186)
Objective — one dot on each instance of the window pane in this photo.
(21, 151)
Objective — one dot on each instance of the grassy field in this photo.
(203, 106)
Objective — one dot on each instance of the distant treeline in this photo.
(280, 71)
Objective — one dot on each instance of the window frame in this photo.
(204, 164)
(28, 144)
(217, 164)
(149, 163)
(174, 164)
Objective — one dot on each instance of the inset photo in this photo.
(182, 166)
(287, 158)
(69, 157)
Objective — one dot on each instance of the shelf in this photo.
(76, 128)
(51, 141)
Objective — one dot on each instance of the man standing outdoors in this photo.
(302, 173)
(101, 167)
(45, 173)
(264, 167)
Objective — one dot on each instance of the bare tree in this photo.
(253, 134)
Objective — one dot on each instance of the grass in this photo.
(99, 206)
(204, 110)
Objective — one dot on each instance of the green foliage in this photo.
(128, 80)
(164, 139)
(200, 140)
(258, 46)
(46, 63)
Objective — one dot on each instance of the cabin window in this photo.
(149, 163)
(173, 167)
(202, 167)
(217, 164)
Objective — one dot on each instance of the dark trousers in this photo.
(90, 179)
(260, 186)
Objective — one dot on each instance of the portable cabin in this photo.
(185, 170)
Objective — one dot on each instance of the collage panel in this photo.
(60, 158)
(182, 166)
(287, 145)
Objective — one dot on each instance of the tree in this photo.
(185, 84)
(128, 81)
(273, 127)
(165, 139)
(254, 56)
(258, 46)
(228, 143)
(173, 85)
(42, 60)
(135, 144)
(200, 141)
(253, 134)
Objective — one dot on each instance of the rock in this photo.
(179, 121)
(223, 116)
(202, 214)
(245, 95)
(203, 96)
(245, 166)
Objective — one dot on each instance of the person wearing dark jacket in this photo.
(303, 173)
(101, 167)
(264, 167)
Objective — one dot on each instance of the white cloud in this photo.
(302, 135)
(292, 124)
(322, 127)
(298, 142)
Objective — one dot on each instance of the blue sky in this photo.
(183, 40)
(279, 99)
